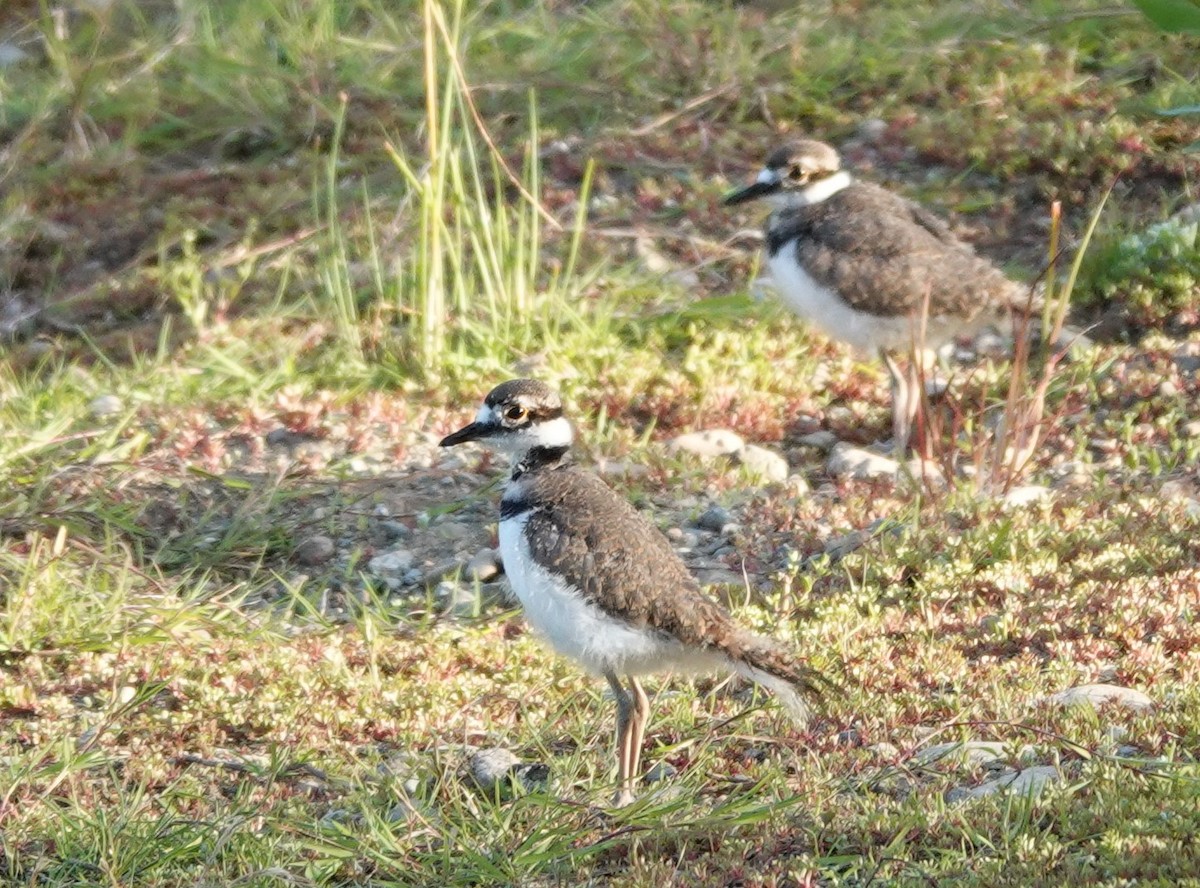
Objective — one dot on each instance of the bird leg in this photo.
(641, 714)
(625, 731)
(906, 401)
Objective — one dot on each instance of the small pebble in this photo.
(391, 564)
(105, 405)
(314, 550)
(857, 463)
(483, 566)
(661, 771)
(714, 518)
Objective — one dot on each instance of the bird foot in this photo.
(622, 798)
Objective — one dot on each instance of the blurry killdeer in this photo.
(600, 582)
(861, 263)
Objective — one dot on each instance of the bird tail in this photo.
(793, 682)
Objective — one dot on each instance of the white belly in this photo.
(581, 630)
(826, 311)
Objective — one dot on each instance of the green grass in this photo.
(294, 260)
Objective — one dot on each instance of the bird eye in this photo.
(797, 173)
(516, 413)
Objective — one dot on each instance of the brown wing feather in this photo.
(883, 253)
(622, 563)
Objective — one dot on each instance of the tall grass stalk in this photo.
(476, 265)
(1023, 419)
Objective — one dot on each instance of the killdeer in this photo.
(861, 264)
(600, 582)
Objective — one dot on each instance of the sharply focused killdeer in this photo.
(861, 264)
(600, 582)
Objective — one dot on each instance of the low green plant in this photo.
(1147, 279)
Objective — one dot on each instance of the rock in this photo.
(281, 437)
(1025, 495)
(1098, 694)
(796, 485)
(1191, 429)
(1116, 733)
(708, 444)
(884, 750)
(483, 566)
(763, 462)
(661, 771)
(973, 753)
(714, 518)
(314, 550)
(392, 564)
(496, 770)
(620, 468)
(1029, 781)
(105, 405)
(1187, 358)
(1187, 215)
(822, 440)
(11, 54)
(841, 546)
(854, 462)
(395, 530)
(872, 130)
(718, 576)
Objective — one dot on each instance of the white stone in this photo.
(708, 443)
(1098, 694)
(763, 462)
(857, 463)
(970, 752)
(1025, 495)
(105, 405)
(1029, 781)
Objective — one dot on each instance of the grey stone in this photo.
(314, 550)
(884, 750)
(11, 54)
(484, 565)
(391, 564)
(105, 405)
(714, 518)
(872, 130)
(395, 530)
(822, 440)
(709, 443)
(854, 462)
(1029, 781)
(970, 752)
(1187, 357)
(661, 771)
(496, 770)
(763, 462)
(1191, 429)
(841, 546)
(1098, 694)
(796, 485)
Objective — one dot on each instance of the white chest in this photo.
(824, 309)
(573, 626)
